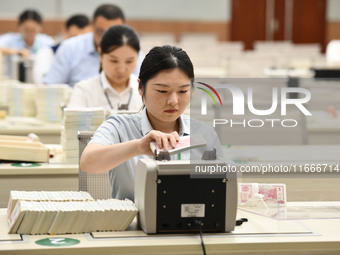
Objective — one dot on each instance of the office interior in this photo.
(278, 48)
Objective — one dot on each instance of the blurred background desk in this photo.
(300, 186)
(48, 132)
(328, 134)
(323, 128)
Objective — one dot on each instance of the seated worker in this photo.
(165, 83)
(27, 42)
(75, 25)
(77, 58)
(116, 87)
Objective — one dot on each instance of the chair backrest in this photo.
(98, 185)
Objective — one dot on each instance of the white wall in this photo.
(333, 10)
(205, 10)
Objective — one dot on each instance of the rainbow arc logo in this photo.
(209, 93)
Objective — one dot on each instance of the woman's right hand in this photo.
(163, 140)
(25, 53)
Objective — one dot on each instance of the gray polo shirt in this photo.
(126, 127)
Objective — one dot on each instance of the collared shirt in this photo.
(17, 42)
(91, 93)
(77, 59)
(126, 127)
(42, 63)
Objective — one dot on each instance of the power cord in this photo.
(199, 224)
(240, 221)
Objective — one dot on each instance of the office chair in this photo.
(98, 185)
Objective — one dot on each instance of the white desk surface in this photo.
(260, 235)
(48, 132)
(45, 176)
(42, 169)
(56, 165)
(28, 124)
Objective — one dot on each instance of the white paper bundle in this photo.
(49, 101)
(30, 217)
(21, 100)
(62, 196)
(5, 85)
(74, 120)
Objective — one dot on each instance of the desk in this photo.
(47, 176)
(323, 128)
(47, 132)
(284, 72)
(261, 235)
(323, 186)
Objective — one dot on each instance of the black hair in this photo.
(117, 36)
(109, 11)
(163, 58)
(80, 20)
(30, 15)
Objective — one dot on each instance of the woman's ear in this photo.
(100, 54)
(140, 88)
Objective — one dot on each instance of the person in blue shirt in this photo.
(75, 25)
(77, 58)
(165, 83)
(27, 42)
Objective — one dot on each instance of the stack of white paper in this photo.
(49, 101)
(59, 196)
(21, 100)
(74, 120)
(31, 217)
(5, 85)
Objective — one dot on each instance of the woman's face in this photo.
(29, 29)
(119, 64)
(166, 96)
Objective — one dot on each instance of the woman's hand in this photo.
(163, 140)
(25, 53)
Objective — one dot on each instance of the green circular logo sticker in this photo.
(57, 241)
(26, 164)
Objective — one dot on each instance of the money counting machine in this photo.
(170, 200)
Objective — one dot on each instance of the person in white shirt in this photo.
(116, 87)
